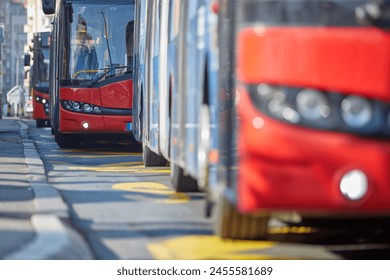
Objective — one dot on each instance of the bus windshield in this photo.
(98, 45)
(41, 68)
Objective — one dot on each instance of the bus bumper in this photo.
(86, 124)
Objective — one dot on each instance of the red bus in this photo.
(39, 77)
(91, 68)
(309, 114)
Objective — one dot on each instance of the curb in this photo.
(54, 238)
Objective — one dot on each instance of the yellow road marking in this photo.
(57, 162)
(285, 230)
(208, 247)
(167, 195)
(125, 163)
(133, 167)
(90, 156)
(102, 152)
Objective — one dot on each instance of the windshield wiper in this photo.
(101, 76)
(106, 35)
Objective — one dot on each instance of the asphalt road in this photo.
(123, 210)
(102, 203)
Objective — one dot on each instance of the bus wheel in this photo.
(232, 224)
(181, 182)
(152, 159)
(40, 123)
(67, 140)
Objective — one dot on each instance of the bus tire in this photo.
(152, 159)
(40, 123)
(67, 140)
(232, 224)
(181, 182)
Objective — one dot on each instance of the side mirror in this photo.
(27, 58)
(49, 7)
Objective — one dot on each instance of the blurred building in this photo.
(13, 14)
(37, 21)
(21, 19)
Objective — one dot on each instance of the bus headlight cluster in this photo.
(356, 111)
(81, 107)
(41, 100)
(323, 110)
(44, 102)
(46, 108)
(312, 105)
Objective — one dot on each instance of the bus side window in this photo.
(130, 41)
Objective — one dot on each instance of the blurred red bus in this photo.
(305, 131)
(39, 76)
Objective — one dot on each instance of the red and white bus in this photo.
(304, 114)
(91, 68)
(39, 78)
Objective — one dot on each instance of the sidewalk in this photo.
(32, 213)
(16, 195)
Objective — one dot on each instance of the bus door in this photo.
(140, 28)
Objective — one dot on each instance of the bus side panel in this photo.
(153, 92)
(139, 67)
(177, 49)
(212, 79)
(163, 81)
(194, 90)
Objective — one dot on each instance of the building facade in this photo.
(13, 14)
(21, 19)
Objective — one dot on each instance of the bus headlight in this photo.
(276, 102)
(354, 185)
(76, 106)
(96, 109)
(87, 107)
(312, 105)
(356, 111)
